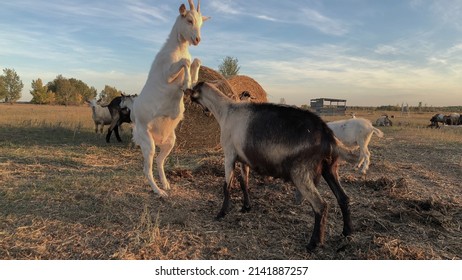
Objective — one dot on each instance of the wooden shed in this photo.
(328, 106)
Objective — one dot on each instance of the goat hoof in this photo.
(347, 232)
(245, 209)
(311, 246)
(166, 186)
(161, 193)
(220, 216)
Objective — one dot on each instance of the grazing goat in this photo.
(383, 121)
(438, 118)
(101, 115)
(356, 132)
(159, 107)
(119, 115)
(279, 141)
(452, 119)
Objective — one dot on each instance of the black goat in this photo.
(119, 115)
(280, 141)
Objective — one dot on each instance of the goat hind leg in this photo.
(148, 149)
(165, 150)
(307, 187)
(329, 173)
(244, 182)
(367, 161)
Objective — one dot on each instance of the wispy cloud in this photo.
(284, 13)
(448, 11)
(322, 23)
(225, 7)
(387, 50)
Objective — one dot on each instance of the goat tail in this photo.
(345, 153)
(377, 132)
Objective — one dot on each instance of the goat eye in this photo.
(190, 21)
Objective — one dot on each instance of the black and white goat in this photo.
(280, 141)
(119, 115)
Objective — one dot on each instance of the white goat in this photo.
(101, 115)
(159, 107)
(383, 121)
(127, 102)
(280, 141)
(356, 132)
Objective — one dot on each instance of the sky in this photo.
(370, 52)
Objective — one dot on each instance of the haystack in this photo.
(199, 130)
(241, 83)
(209, 75)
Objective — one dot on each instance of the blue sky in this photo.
(370, 52)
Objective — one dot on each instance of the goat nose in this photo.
(197, 40)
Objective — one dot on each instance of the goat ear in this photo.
(204, 18)
(183, 10)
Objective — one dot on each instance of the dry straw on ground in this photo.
(66, 194)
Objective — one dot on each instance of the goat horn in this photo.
(191, 4)
(199, 6)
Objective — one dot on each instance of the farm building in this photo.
(328, 106)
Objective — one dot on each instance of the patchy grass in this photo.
(66, 194)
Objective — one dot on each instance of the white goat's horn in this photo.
(199, 6)
(191, 4)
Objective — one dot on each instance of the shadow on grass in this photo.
(56, 135)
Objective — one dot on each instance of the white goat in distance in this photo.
(356, 132)
(159, 107)
(101, 115)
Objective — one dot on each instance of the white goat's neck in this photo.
(175, 41)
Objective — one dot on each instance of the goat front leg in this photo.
(229, 178)
(195, 66)
(177, 68)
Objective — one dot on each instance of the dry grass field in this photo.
(66, 194)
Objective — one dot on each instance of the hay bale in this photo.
(241, 83)
(207, 74)
(198, 130)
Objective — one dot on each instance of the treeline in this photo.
(63, 91)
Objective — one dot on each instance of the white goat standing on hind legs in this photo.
(159, 107)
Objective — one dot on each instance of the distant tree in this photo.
(229, 67)
(84, 91)
(40, 93)
(65, 93)
(10, 86)
(109, 93)
(2, 88)
(70, 91)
